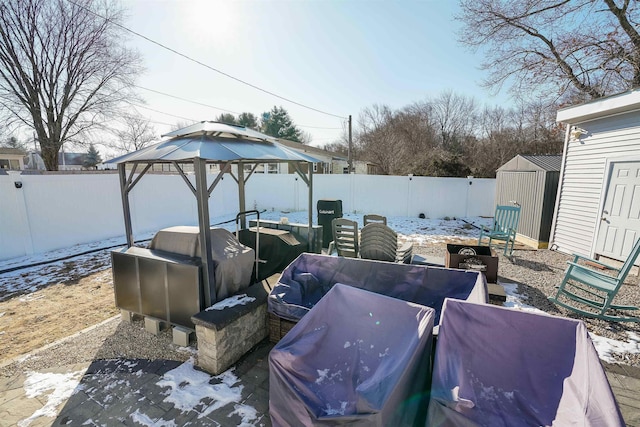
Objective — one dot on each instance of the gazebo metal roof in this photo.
(216, 143)
(205, 143)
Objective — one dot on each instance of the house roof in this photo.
(12, 151)
(601, 107)
(549, 163)
(312, 150)
(215, 142)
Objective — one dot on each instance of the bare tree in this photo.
(450, 136)
(63, 69)
(337, 147)
(13, 142)
(305, 137)
(180, 124)
(376, 140)
(455, 116)
(572, 48)
(136, 134)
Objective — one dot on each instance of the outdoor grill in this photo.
(276, 249)
(164, 281)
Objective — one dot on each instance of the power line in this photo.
(218, 108)
(317, 127)
(147, 119)
(203, 64)
(186, 100)
(162, 112)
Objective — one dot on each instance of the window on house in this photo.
(273, 168)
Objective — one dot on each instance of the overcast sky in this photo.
(335, 56)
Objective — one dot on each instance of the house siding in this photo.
(583, 181)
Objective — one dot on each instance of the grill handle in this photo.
(244, 215)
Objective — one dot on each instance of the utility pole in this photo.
(350, 156)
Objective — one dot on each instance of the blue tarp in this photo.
(501, 367)
(310, 276)
(357, 358)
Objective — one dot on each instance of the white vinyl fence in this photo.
(57, 211)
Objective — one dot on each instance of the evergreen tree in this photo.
(277, 123)
(13, 142)
(92, 158)
(248, 120)
(227, 118)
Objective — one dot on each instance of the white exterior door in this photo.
(620, 216)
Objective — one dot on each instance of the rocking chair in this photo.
(596, 289)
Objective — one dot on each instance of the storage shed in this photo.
(598, 210)
(532, 182)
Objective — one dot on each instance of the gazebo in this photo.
(202, 144)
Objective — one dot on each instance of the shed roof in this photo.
(549, 163)
(215, 142)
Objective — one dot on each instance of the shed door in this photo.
(620, 216)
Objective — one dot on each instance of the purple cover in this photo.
(310, 276)
(501, 367)
(357, 358)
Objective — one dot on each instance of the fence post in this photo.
(409, 194)
(21, 206)
(469, 191)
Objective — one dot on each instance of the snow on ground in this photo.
(34, 277)
(604, 346)
(418, 230)
(57, 387)
(192, 390)
(516, 300)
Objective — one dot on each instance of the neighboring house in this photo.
(66, 161)
(598, 207)
(532, 182)
(331, 163)
(71, 161)
(12, 158)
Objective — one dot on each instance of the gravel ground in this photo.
(535, 272)
(108, 340)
